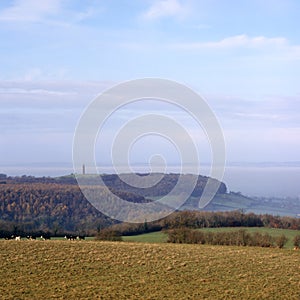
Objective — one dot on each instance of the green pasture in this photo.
(161, 237)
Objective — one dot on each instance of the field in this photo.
(118, 270)
(152, 237)
(160, 237)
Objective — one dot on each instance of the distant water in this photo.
(278, 180)
(264, 181)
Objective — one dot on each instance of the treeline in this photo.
(118, 183)
(54, 208)
(233, 238)
(204, 219)
(163, 187)
(237, 218)
(12, 229)
(69, 179)
(56, 205)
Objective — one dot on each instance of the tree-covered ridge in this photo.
(118, 182)
(163, 187)
(58, 205)
(48, 207)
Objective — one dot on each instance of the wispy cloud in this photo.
(165, 8)
(272, 48)
(17, 96)
(236, 41)
(86, 14)
(52, 12)
(259, 116)
(30, 10)
(36, 74)
(269, 111)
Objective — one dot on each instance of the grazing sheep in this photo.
(45, 237)
(18, 238)
(70, 237)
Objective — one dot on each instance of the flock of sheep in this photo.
(46, 237)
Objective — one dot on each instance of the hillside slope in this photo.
(57, 204)
(112, 270)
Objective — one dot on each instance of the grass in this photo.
(152, 237)
(160, 237)
(118, 270)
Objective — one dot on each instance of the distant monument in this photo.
(83, 169)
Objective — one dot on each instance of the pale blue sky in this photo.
(242, 56)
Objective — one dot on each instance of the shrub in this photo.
(233, 238)
(179, 235)
(261, 240)
(109, 235)
(281, 241)
(267, 240)
(297, 241)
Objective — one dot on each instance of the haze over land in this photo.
(56, 56)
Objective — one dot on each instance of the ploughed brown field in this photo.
(121, 270)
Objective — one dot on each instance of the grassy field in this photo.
(119, 270)
(152, 237)
(160, 237)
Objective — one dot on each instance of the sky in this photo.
(56, 56)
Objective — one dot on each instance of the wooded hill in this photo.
(56, 205)
(57, 208)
